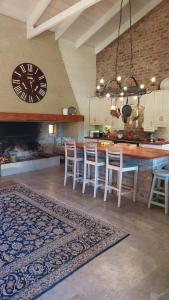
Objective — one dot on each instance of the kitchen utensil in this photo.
(115, 110)
(126, 111)
(164, 85)
(72, 110)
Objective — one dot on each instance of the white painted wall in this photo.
(80, 65)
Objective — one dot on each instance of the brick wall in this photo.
(150, 47)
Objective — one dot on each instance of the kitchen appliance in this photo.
(94, 133)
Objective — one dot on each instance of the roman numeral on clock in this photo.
(41, 77)
(41, 92)
(16, 81)
(43, 84)
(23, 96)
(18, 89)
(30, 99)
(30, 68)
(23, 68)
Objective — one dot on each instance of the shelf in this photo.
(28, 117)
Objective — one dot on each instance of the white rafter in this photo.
(38, 11)
(137, 16)
(36, 14)
(52, 22)
(61, 28)
(100, 23)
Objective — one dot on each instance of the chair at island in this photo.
(114, 162)
(91, 159)
(72, 163)
(160, 191)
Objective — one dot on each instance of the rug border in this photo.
(79, 267)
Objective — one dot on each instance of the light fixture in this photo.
(52, 129)
(120, 85)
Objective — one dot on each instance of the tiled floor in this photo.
(135, 269)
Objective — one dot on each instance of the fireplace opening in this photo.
(20, 141)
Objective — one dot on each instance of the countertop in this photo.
(134, 151)
(130, 141)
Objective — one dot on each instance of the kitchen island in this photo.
(146, 159)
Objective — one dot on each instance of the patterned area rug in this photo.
(42, 241)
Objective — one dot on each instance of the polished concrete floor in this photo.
(135, 269)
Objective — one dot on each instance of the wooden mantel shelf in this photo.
(28, 117)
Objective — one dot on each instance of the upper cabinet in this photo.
(156, 113)
(100, 114)
(100, 111)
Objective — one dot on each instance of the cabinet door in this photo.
(95, 112)
(162, 108)
(100, 111)
(148, 101)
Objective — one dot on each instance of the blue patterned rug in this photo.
(42, 241)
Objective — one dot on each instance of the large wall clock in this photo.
(29, 83)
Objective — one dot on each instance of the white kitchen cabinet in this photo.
(100, 111)
(156, 113)
(148, 101)
(161, 108)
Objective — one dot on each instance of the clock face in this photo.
(29, 83)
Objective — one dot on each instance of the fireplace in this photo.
(24, 144)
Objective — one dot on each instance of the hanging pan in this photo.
(126, 111)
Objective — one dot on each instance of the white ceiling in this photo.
(84, 22)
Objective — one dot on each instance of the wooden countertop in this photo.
(134, 151)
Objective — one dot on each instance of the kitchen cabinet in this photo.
(100, 111)
(161, 108)
(148, 101)
(156, 113)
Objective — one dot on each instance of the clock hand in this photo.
(24, 85)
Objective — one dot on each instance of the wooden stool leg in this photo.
(84, 178)
(152, 190)
(119, 187)
(106, 185)
(65, 177)
(95, 181)
(74, 175)
(166, 196)
(135, 185)
(110, 180)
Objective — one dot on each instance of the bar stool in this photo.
(71, 161)
(156, 189)
(91, 160)
(114, 162)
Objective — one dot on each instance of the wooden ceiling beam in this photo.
(52, 22)
(63, 27)
(103, 20)
(137, 16)
(37, 12)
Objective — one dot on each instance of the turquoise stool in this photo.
(156, 189)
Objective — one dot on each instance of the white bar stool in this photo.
(114, 161)
(91, 159)
(157, 190)
(72, 162)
